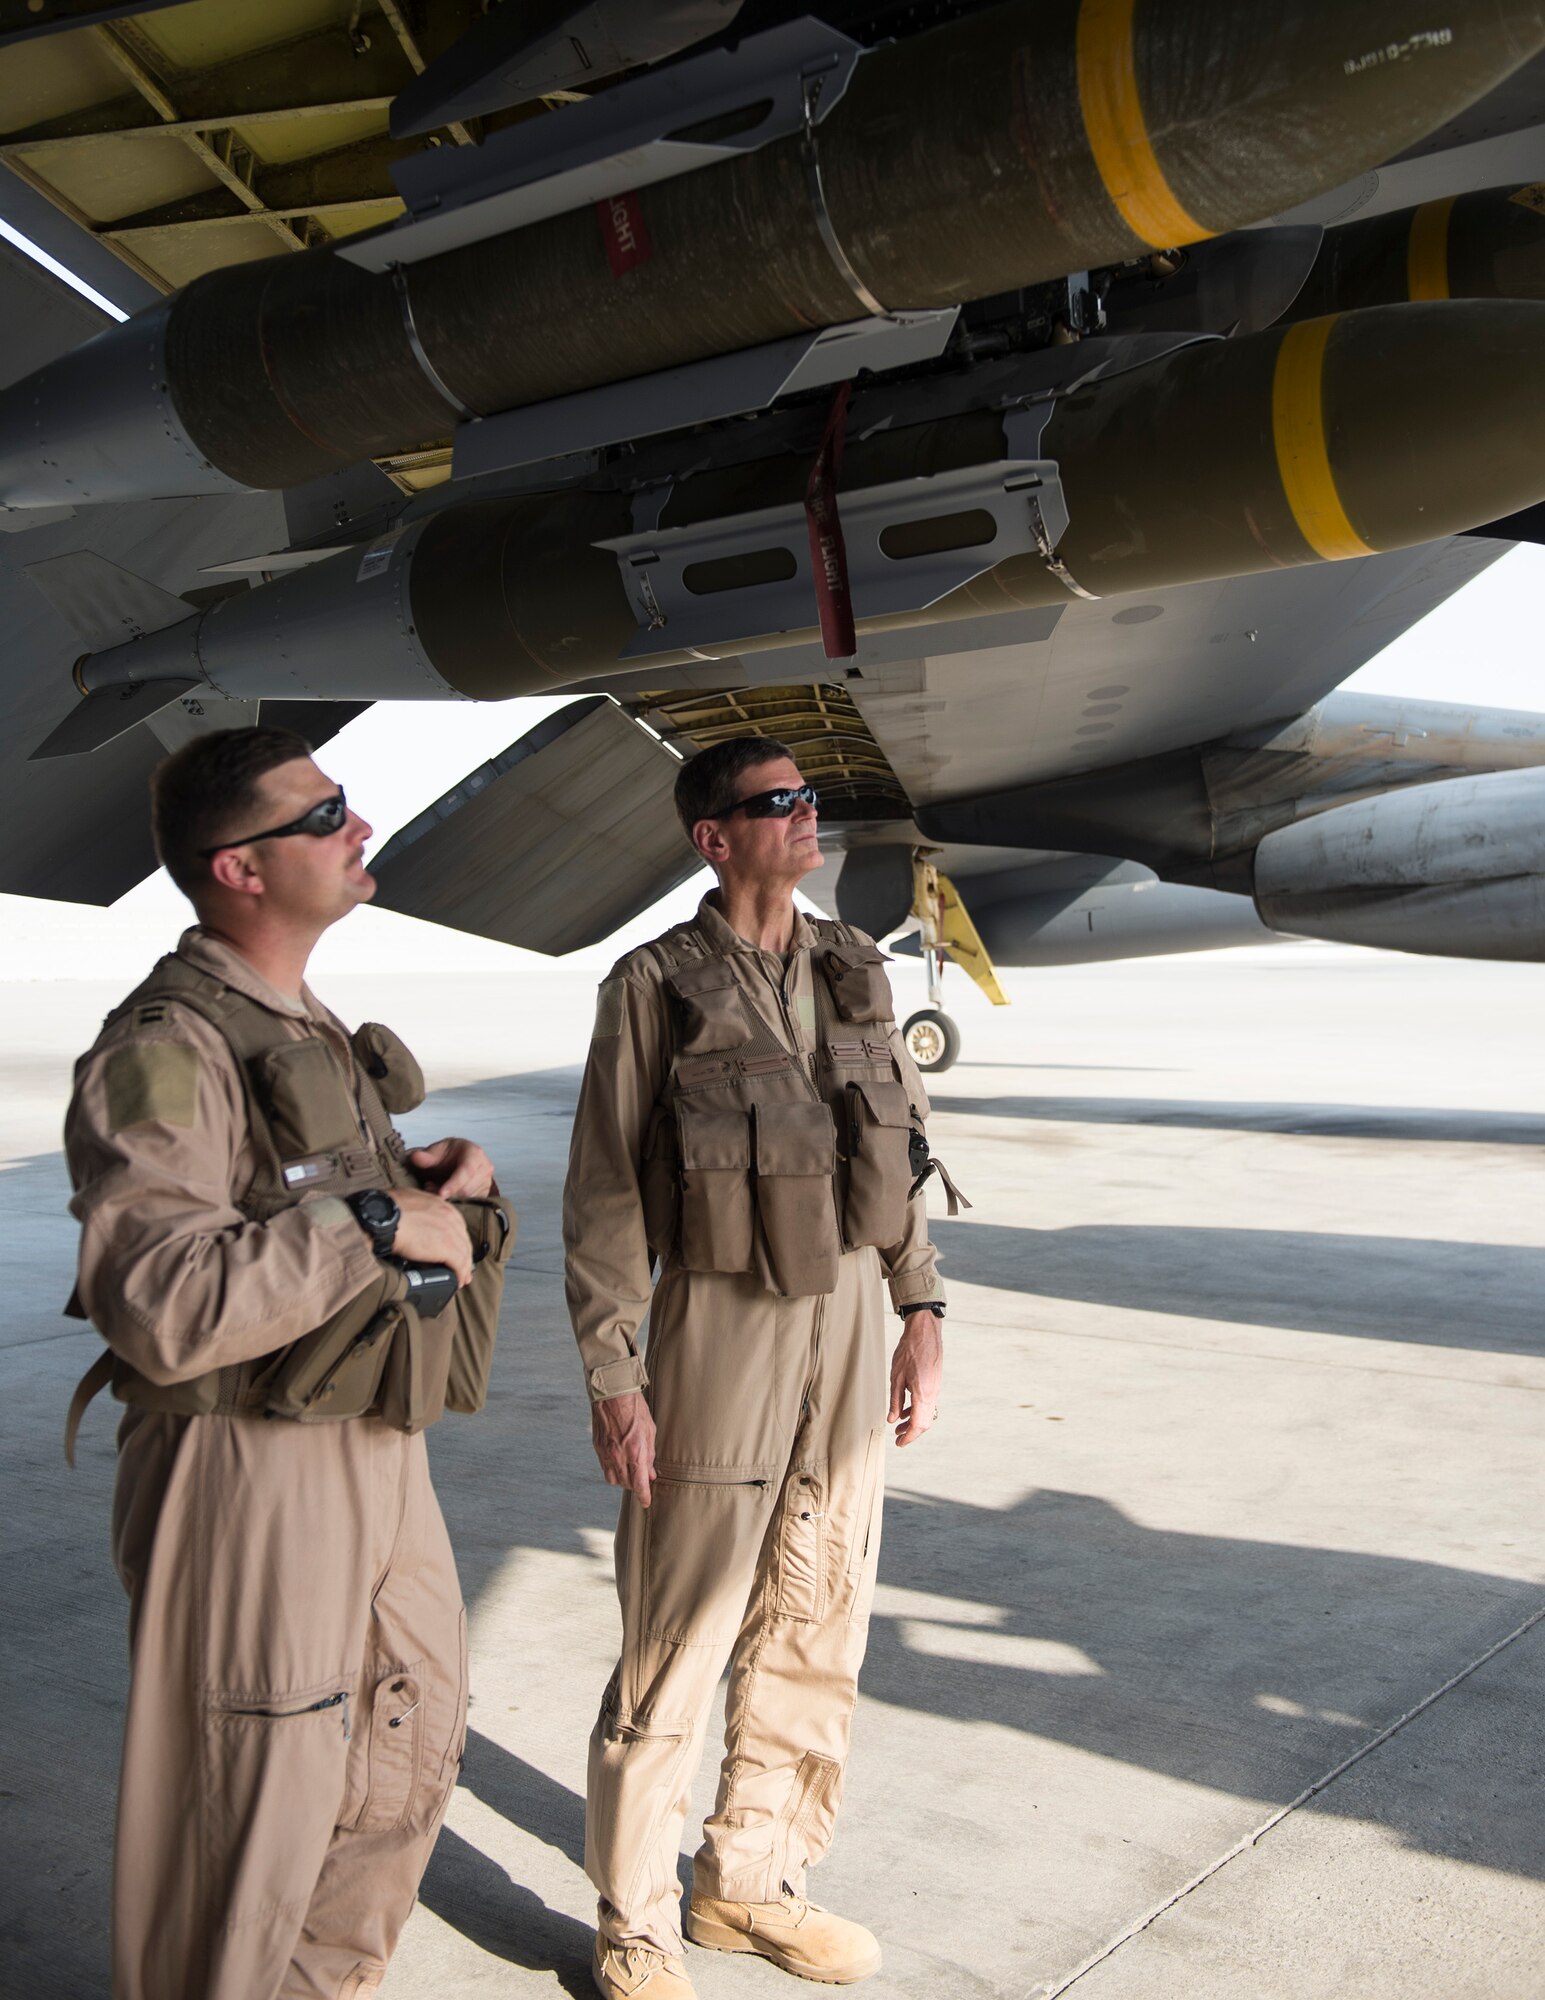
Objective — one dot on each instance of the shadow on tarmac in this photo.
(1220, 1662)
(1244, 1666)
(475, 1896)
(1368, 1287)
(1314, 1121)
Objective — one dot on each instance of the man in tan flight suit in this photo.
(748, 1116)
(298, 1692)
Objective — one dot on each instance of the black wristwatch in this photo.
(934, 1306)
(378, 1215)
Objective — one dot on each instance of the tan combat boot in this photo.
(794, 1934)
(638, 1972)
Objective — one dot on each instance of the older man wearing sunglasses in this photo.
(288, 1297)
(749, 1120)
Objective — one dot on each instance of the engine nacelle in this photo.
(1456, 869)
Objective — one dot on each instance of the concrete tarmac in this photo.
(1205, 1659)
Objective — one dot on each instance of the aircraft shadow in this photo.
(1217, 1661)
(1315, 1121)
(1369, 1287)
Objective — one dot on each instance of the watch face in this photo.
(376, 1209)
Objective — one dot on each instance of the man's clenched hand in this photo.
(432, 1232)
(622, 1430)
(454, 1168)
(917, 1373)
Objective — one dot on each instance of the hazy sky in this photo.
(1481, 648)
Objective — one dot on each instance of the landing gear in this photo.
(932, 1039)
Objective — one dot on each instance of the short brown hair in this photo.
(204, 791)
(705, 784)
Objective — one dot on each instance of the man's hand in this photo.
(622, 1430)
(431, 1232)
(917, 1372)
(454, 1168)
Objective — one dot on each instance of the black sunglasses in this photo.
(772, 805)
(325, 817)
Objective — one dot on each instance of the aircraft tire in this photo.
(932, 1039)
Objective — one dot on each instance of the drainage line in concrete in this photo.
(1275, 1819)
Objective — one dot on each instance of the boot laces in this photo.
(638, 1961)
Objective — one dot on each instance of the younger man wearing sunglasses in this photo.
(250, 1228)
(750, 1118)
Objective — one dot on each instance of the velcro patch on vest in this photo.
(610, 1006)
(327, 1211)
(701, 1069)
(764, 1065)
(152, 1083)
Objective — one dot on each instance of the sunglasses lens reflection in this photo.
(782, 804)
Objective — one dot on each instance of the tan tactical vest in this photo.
(314, 1137)
(752, 1162)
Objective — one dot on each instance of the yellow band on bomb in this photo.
(1427, 250)
(1303, 457)
(1118, 133)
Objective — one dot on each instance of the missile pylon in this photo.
(1320, 441)
(1013, 145)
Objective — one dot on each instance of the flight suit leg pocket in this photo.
(715, 1145)
(805, 1826)
(864, 1542)
(395, 1749)
(637, 1766)
(456, 1740)
(796, 1158)
(702, 1533)
(803, 1549)
(274, 1778)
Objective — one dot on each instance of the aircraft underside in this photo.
(1030, 415)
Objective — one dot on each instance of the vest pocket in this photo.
(796, 1158)
(336, 1371)
(711, 1008)
(391, 1066)
(856, 974)
(879, 1164)
(474, 1312)
(715, 1186)
(307, 1097)
(418, 1366)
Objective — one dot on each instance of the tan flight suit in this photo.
(297, 1701)
(762, 1539)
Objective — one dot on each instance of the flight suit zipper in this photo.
(307, 1708)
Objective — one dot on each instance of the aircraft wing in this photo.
(1096, 689)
